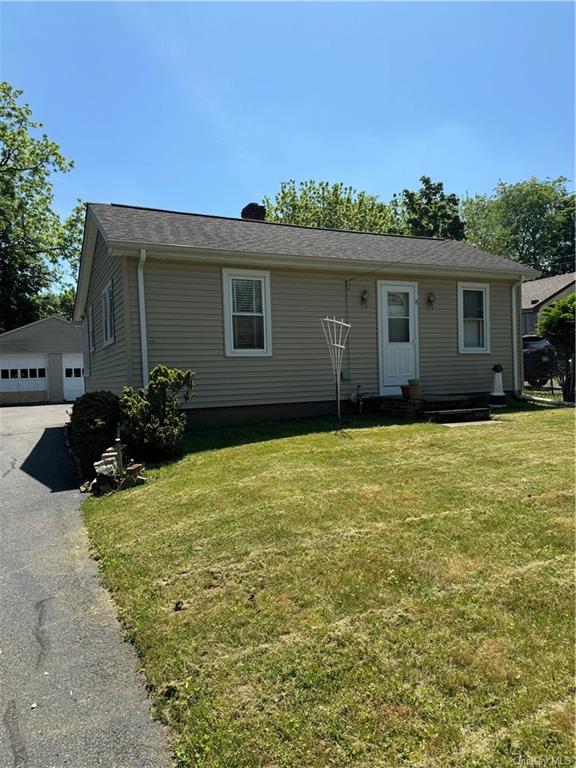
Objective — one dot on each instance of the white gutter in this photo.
(142, 313)
(515, 323)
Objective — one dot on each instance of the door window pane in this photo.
(13, 373)
(41, 373)
(23, 373)
(398, 329)
(68, 373)
(5, 373)
(33, 373)
(77, 373)
(398, 304)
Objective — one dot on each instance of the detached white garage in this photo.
(41, 362)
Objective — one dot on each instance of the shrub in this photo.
(152, 424)
(93, 426)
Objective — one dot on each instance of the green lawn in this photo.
(380, 596)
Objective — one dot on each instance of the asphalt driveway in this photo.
(70, 693)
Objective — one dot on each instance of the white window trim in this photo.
(107, 306)
(91, 336)
(485, 288)
(264, 277)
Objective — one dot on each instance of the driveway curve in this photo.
(70, 691)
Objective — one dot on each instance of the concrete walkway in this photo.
(70, 693)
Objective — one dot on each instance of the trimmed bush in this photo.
(93, 425)
(152, 424)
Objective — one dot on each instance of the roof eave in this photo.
(196, 253)
(91, 229)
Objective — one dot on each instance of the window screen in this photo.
(473, 311)
(247, 313)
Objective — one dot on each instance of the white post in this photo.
(497, 396)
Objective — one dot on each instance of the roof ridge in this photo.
(275, 223)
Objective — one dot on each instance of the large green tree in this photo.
(531, 222)
(429, 211)
(334, 206)
(31, 233)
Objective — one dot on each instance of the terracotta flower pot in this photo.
(414, 391)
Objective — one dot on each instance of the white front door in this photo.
(398, 331)
(73, 376)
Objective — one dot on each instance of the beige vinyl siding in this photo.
(184, 308)
(184, 311)
(108, 365)
(443, 370)
(49, 335)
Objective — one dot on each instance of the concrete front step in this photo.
(458, 414)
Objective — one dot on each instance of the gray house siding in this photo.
(108, 363)
(184, 312)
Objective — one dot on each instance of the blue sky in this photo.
(205, 107)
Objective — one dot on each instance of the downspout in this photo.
(515, 323)
(142, 314)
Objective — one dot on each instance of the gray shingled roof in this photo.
(536, 291)
(150, 227)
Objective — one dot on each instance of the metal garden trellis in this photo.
(336, 333)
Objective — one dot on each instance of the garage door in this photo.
(23, 378)
(73, 376)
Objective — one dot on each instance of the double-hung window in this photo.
(473, 317)
(247, 322)
(107, 314)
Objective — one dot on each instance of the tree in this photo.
(531, 222)
(334, 206)
(70, 246)
(30, 231)
(429, 211)
(61, 304)
(556, 323)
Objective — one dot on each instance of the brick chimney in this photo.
(254, 211)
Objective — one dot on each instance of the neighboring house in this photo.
(239, 301)
(537, 294)
(41, 362)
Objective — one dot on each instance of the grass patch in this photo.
(379, 596)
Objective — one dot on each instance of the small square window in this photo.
(77, 373)
(5, 373)
(68, 373)
(41, 373)
(23, 373)
(13, 373)
(33, 373)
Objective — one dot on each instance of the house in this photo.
(239, 301)
(41, 362)
(537, 294)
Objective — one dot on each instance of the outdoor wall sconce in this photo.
(364, 297)
(430, 299)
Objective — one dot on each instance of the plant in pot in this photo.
(412, 390)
